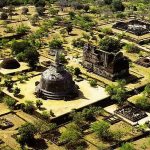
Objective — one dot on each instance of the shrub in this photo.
(127, 146)
(10, 102)
(28, 106)
(93, 83)
(143, 103)
(3, 16)
(16, 91)
(131, 48)
(26, 133)
(39, 103)
(22, 29)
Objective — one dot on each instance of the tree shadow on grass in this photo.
(20, 96)
(38, 144)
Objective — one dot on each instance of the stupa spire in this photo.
(57, 60)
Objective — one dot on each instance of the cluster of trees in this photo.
(118, 92)
(24, 51)
(81, 118)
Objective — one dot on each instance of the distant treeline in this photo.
(4, 3)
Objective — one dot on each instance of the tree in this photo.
(39, 103)
(3, 3)
(55, 44)
(10, 102)
(32, 57)
(117, 92)
(16, 91)
(28, 106)
(107, 2)
(3, 16)
(93, 83)
(72, 15)
(45, 114)
(19, 46)
(69, 28)
(127, 146)
(109, 44)
(9, 84)
(101, 128)
(77, 71)
(72, 134)
(26, 133)
(117, 5)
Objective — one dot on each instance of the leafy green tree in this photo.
(117, 135)
(109, 44)
(10, 102)
(55, 44)
(45, 114)
(19, 46)
(72, 15)
(26, 133)
(93, 83)
(32, 57)
(117, 92)
(72, 134)
(107, 2)
(62, 58)
(28, 106)
(117, 5)
(101, 128)
(9, 84)
(3, 16)
(39, 103)
(127, 146)
(69, 28)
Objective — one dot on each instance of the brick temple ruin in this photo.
(111, 65)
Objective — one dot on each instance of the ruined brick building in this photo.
(111, 65)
